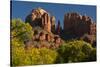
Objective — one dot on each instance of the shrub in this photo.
(20, 56)
(75, 51)
(21, 30)
(92, 56)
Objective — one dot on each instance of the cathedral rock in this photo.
(79, 24)
(40, 17)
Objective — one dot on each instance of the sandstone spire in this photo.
(53, 20)
(58, 29)
(40, 17)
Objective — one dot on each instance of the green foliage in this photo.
(92, 56)
(75, 51)
(20, 56)
(46, 56)
(20, 32)
(87, 48)
(15, 42)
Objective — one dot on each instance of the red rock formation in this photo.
(39, 17)
(78, 24)
(48, 37)
(53, 24)
(42, 36)
(58, 29)
(46, 24)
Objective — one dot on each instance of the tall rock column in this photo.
(46, 22)
(59, 28)
(67, 23)
(53, 24)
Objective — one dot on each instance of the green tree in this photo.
(93, 54)
(75, 51)
(33, 56)
(20, 31)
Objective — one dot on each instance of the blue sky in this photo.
(20, 9)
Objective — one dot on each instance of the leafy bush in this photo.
(75, 51)
(92, 56)
(21, 30)
(15, 42)
(20, 56)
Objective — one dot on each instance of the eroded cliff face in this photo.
(74, 24)
(40, 17)
(79, 24)
(53, 20)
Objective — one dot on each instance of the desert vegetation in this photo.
(32, 46)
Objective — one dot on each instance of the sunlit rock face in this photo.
(53, 20)
(79, 24)
(40, 17)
